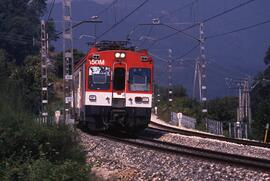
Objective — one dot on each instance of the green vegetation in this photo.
(260, 101)
(220, 109)
(223, 109)
(58, 64)
(28, 150)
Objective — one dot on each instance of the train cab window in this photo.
(119, 79)
(99, 78)
(139, 79)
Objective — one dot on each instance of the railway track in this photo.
(161, 127)
(143, 141)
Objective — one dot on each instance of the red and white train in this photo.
(113, 87)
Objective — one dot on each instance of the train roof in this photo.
(114, 45)
(107, 45)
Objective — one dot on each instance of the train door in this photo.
(119, 85)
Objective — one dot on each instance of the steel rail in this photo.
(161, 127)
(172, 148)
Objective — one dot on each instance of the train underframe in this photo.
(127, 119)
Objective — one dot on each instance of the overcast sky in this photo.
(96, 1)
(236, 55)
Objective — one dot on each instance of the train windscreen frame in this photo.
(139, 79)
(99, 78)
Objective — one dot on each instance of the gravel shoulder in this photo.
(117, 161)
(212, 144)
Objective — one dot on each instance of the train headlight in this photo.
(145, 99)
(144, 58)
(92, 98)
(120, 55)
(96, 57)
(117, 55)
(123, 55)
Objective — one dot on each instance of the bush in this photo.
(30, 151)
(42, 169)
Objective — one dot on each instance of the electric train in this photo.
(113, 87)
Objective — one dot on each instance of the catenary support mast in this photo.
(200, 73)
(170, 91)
(67, 62)
(44, 71)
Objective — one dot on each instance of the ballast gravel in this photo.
(211, 144)
(215, 145)
(112, 160)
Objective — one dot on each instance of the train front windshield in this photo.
(99, 78)
(139, 79)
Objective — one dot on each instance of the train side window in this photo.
(119, 79)
(99, 78)
(139, 79)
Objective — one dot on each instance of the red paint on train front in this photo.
(107, 58)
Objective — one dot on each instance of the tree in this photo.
(267, 57)
(223, 109)
(3, 64)
(58, 63)
(260, 103)
(21, 20)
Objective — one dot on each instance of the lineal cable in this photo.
(179, 9)
(177, 31)
(147, 35)
(228, 10)
(51, 8)
(123, 19)
(158, 57)
(178, 58)
(14, 35)
(77, 24)
(208, 19)
(226, 69)
(188, 52)
(107, 8)
(14, 40)
(237, 30)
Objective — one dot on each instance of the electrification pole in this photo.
(170, 91)
(44, 71)
(157, 91)
(243, 110)
(68, 62)
(202, 71)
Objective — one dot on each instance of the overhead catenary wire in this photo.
(121, 20)
(177, 31)
(78, 24)
(222, 68)
(178, 58)
(228, 10)
(16, 38)
(147, 35)
(181, 31)
(158, 57)
(170, 27)
(188, 52)
(207, 19)
(238, 30)
(107, 8)
(51, 9)
(16, 35)
(179, 9)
